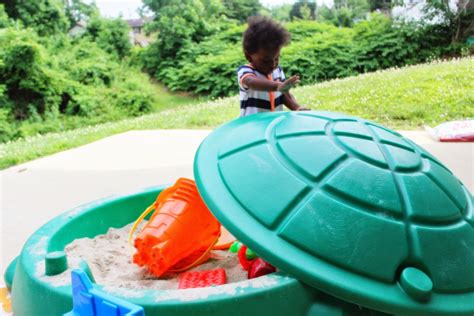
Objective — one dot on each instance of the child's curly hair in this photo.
(263, 32)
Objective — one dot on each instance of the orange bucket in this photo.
(180, 233)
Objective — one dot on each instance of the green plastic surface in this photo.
(35, 294)
(347, 206)
(9, 273)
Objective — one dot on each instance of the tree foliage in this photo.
(78, 10)
(4, 20)
(47, 17)
(240, 10)
(303, 9)
(459, 19)
(318, 51)
(180, 22)
(281, 12)
(45, 79)
(382, 5)
(344, 12)
(110, 34)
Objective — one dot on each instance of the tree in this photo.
(306, 13)
(326, 14)
(45, 16)
(459, 19)
(358, 8)
(110, 34)
(241, 9)
(181, 22)
(303, 9)
(345, 12)
(382, 5)
(281, 12)
(4, 20)
(78, 10)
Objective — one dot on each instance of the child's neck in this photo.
(253, 67)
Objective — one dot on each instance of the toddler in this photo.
(263, 86)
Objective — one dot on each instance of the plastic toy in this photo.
(164, 244)
(249, 253)
(225, 240)
(35, 295)
(347, 206)
(243, 260)
(88, 301)
(5, 301)
(454, 131)
(250, 262)
(234, 248)
(193, 279)
(260, 267)
(363, 220)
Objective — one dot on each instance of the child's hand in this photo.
(288, 84)
(303, 109)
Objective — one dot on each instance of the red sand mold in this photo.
(207, 278)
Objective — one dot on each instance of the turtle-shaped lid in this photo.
(345, 205)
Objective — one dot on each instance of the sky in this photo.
(128, 8)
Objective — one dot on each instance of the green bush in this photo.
(89, 65)
(325, 55)
(43, 80)
(381, 44)
(318, 52)
(4, 20)
(30, 83)
(110, 34)
(6, 127)
(47, 17)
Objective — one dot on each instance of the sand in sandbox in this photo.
(109, 258)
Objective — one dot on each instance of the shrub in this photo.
(111, 35)
(30, 84)
(47, 17)
(4, 20)
(45, 79)
(317, 52)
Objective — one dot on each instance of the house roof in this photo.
(81, 23)
(135, 22)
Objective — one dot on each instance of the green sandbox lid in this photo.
(345, 205)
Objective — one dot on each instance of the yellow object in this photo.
(5, 300)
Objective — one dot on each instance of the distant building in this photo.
(136, 25)
(78, 29)
(412, 10)
(137, 34)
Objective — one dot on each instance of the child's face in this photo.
(265, 60)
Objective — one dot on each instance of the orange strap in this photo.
(271, 95)
(198, 260)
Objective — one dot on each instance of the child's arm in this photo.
(290, 102)
(259, 84)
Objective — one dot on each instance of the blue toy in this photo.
(89, 301)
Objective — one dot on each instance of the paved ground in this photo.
(35, 192)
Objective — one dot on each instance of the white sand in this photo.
(109, 258)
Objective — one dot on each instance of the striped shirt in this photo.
(253, 101)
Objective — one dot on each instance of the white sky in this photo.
(128, 8)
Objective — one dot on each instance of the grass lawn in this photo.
(167, 100)
(405, 98)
